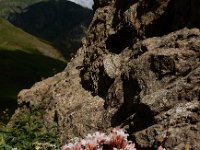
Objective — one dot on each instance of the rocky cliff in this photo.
(139, 69)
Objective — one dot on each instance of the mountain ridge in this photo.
(15, 38)
(61, 22)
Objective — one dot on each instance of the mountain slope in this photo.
(22, 63)
(60, 22)
(12, 38)
(11, 6)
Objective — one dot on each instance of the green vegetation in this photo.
(61, 22)
(30, 132)
(12, 38)
(22, 64)
(21, 70)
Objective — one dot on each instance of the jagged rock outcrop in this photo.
(139, 68)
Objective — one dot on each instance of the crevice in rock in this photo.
(147, 6)
(162, 66)
(121, 6)
(140, 120)
(86, 80)
(56, 118)
(132, 113)
(97, 82)
(163, 24)
(143, 118)
(120, 40)
(104, 83)
(131, 90)
(178, 14)
(88, 73)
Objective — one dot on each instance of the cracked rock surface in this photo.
(139, 68)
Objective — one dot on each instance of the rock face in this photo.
(139, 68)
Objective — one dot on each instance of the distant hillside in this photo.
(11, 6)
(12, 38)
(22, 63)
(60, 22)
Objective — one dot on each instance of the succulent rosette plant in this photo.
(116, 140)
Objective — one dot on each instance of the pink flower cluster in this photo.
(116, 140)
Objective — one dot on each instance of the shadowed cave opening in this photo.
(117, 42)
